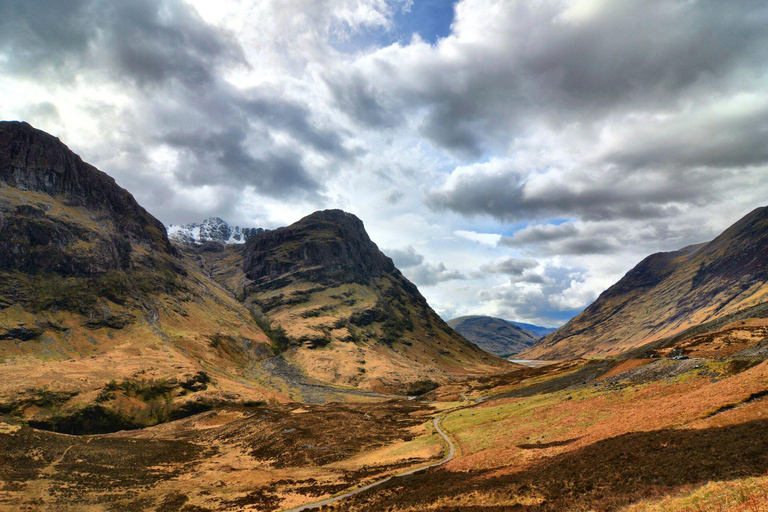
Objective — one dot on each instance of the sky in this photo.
(514, 157)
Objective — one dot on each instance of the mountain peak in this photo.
(212, 229)
(330, 244)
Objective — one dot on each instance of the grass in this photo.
(742, 495)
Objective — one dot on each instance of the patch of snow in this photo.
(213, 229)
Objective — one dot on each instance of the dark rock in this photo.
(36, 161)
(329, 246)
(20, 333)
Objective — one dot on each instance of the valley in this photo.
(230, 368)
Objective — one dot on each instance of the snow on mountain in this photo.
(213, 229)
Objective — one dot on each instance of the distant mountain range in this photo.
(672, 292)
(212, 229)
(498, 336)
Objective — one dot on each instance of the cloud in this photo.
(500, 189)
(481, 238)
(405, 258)
(590, 238)
(509, 266)
(508, 64)
(421, 272)
(547, 298)
(630, 110)
(164, 67)
(429, 274)
(143, 41)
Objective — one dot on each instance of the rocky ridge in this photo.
(212, 229)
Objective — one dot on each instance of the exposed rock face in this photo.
(331, 246)
(34, 238)
(213, 229)
(669, 292)
(494, 335)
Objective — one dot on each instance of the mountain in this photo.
(346, 315)
(99, 312)
(212, 229)
(106, 324)
(668, 293)
(494, 335)
(536, 330)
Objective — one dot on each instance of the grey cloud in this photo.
(359, 99)
(224, 158)
(660, 86)
(36, 36)
(428, 274)
(44, 111)
(564, 239)
(296, 120)
(603, 237)
(421, 272)
(706, 139)
(609, 194)
(405, 258)
(164, 56)
(146, 41)
(631, 55)
(509, 266)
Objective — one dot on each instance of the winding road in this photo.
(447, 458)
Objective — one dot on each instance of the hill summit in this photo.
(495, 335)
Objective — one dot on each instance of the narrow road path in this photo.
(447, 458)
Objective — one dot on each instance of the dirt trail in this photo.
(447, 458)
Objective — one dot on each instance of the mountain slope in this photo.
(92, 291)
(669, 292)
(536, 330)
(347, 314)
(494, 335)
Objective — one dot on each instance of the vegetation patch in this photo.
(421, 387)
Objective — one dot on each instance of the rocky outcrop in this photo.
(330, 246)
(33, 238)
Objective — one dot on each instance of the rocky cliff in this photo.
(34, 161)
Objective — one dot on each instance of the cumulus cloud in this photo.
(421, 272)
(657, 104)
(547, 298)
(502, 190)
(430, 274)
(405, 258)
(580, 238)
(509, 266)
(165, 66)
(508, 64)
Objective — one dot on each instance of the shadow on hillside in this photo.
(603, 476)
